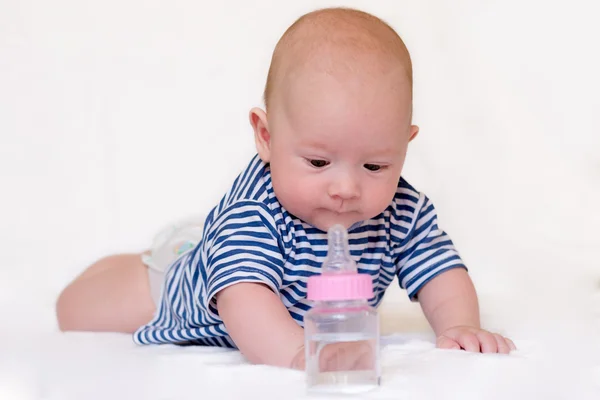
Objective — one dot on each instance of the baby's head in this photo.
(338, 117)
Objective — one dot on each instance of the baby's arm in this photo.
(265, 333)
(449, 302)
(261, 326)
(431, 268)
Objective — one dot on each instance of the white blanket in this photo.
(555, 360)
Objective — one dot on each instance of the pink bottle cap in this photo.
(339, 279)
(340, 287)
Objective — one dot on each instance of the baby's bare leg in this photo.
(112, 295)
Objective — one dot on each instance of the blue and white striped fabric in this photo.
(249, 237)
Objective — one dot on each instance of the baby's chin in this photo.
(324, 221)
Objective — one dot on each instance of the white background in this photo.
(118, 117)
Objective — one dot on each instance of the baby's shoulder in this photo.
(250, 196)
(407, 200)
(404, 211)
(251, 186)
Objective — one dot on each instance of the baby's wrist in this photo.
(459, 326)
(299, 360)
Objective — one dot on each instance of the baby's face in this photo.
(338, 146)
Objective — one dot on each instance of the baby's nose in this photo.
(345, 187)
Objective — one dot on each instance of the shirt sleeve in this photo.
(242, 246)
(427, 250)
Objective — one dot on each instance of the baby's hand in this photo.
(474, 340)
(347, 356)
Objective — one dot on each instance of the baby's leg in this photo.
(111, 295)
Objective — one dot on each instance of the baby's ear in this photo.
(262, 137)
(414, 131)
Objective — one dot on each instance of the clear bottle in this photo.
(341, 329)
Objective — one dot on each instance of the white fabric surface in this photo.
(555, 360)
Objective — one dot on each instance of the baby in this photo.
(331, 145)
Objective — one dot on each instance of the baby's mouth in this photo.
(343, 214)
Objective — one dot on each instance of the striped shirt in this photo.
(250, 237)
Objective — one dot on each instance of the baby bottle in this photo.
(341, 329)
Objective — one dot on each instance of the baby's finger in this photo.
(469, 342)
(331, 357)
(365, 357)
(444, 342)
(511, 344)
(503, 346)
(487, 341)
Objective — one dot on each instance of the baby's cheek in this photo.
(305, 191)
(294, 193)
(380, 196)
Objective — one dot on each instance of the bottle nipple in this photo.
(338, 260)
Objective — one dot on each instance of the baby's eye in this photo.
(373, 167)
(319, 163)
